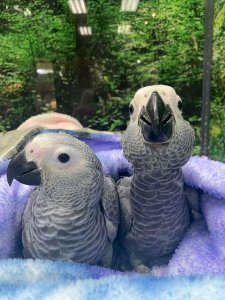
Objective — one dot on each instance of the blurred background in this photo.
(87, 59)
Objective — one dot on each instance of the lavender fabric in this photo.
(202, 251)
(207, 175)
(27, 279)
(203, 248)
(96, 140)
(12, 202)
(205, 239)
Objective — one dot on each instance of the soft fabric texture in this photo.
(48, 280)
(202, 250)
(12, 202)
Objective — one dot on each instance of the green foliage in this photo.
(217, 126)
(195, 121)
(111, 114)
(165, 43)
(217, 130)
(164, 46)
(42, 35)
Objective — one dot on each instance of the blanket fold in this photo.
(202, 251)
(27, 279)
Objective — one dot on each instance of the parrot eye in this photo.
(180, 105)
(63, 158)
(131, 109)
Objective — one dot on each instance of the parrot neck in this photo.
(158, 180)
(156, 188)
(87, 192)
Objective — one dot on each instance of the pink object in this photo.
(52, 120)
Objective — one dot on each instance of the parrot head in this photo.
(157, 136)
(54, 159)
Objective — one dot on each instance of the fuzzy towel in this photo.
(202, 250)
(46, 280)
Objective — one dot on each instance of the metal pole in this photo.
(206, 85)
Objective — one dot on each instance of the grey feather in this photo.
(110, 206)
(126, 217)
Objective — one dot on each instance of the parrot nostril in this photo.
(166, 119)
(145, 120)
(31, 151)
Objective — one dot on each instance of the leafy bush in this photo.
(111, 115)
(164, 46)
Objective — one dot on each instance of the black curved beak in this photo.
(156, 120)
(23, 171)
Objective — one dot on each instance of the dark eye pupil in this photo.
(63, 157)
(131, 109)
(180, 105)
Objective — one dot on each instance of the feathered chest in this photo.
(62, 232)
(159, 210)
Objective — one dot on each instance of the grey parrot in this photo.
(73, 213)
(154, 211)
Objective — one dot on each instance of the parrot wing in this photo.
(26, 219)
(126, 217)
(110, 205)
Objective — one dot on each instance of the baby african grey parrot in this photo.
(154, 211)
(73, 213)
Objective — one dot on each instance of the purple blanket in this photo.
(202, 249)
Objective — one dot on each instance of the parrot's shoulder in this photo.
(110, 205)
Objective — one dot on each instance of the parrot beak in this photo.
(156, 120)
(23, 171)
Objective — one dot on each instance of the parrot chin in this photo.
(23, 171)
(156, 120)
